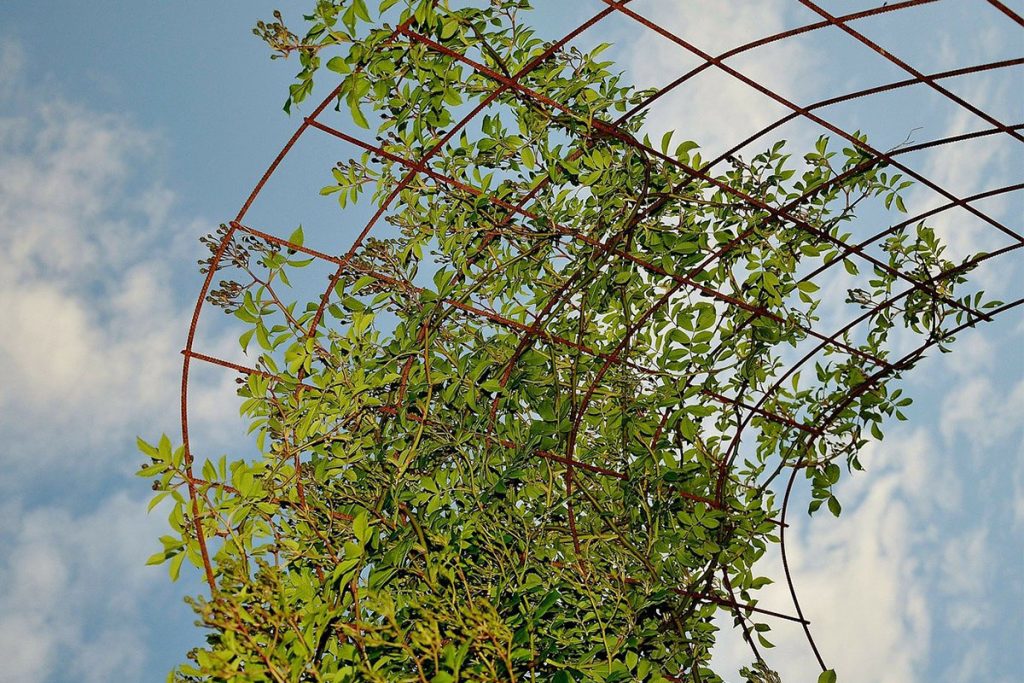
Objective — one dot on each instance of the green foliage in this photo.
(526, 471)
(759, 673)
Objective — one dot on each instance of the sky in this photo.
(128, 130)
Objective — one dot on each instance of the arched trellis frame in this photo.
(619, 10)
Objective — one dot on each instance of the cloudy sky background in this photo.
(125, 133)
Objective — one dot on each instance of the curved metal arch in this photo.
(792, 477)
(535, 331)
(801, 111)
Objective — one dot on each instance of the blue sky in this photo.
(128, 130)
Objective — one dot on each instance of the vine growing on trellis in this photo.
(533, 429)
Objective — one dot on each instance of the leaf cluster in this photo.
(507, 445)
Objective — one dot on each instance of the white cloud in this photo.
(12, 63)
(715, 109)
(73, 592)
(965, 565)
(970, 167)
(979, 411)
(93, 324)
(975, 354)
(1017, 505)
(89, 356)
(857, 585)
(870, 581)
(857, 577)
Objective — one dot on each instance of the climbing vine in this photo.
(535, 427)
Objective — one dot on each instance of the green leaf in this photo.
(361, 527)
(706, 317)
(146, 448)
(666, 140)
(833, 506)
(361, 10)
(807, 286)
(156, 500)
(491, 386)
(357, 115)
(547, 603)
(157, 558)
(827, 676)
(174, 568)
(338, 65)
(688, 429)
(164, 447)
(246, 337)
(448, 28)
(529, 160)
(684, 148)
